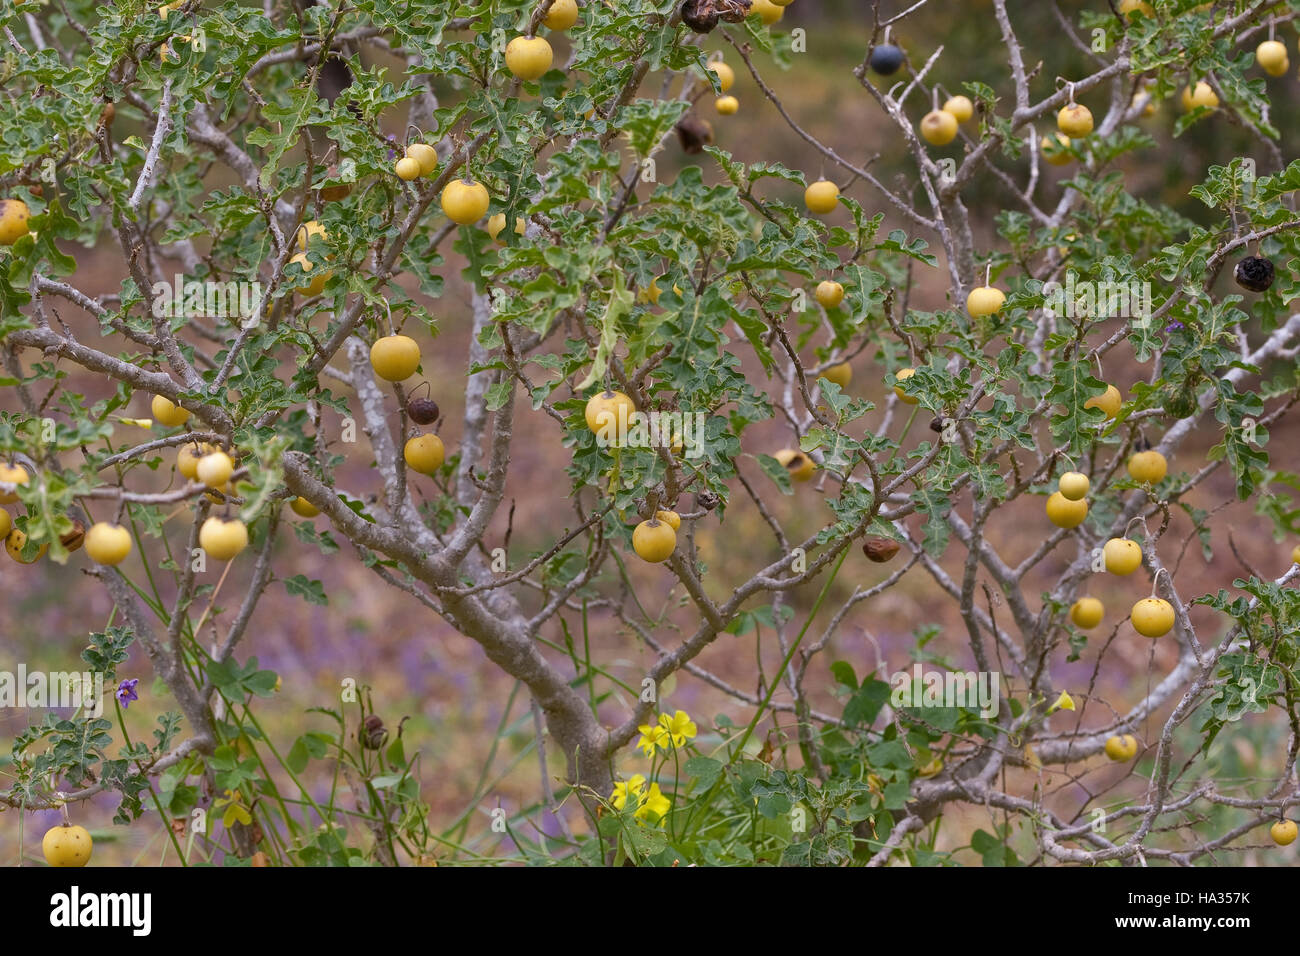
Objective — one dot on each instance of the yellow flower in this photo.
(624, 789)
(1064, 702)
(655, 803)
(679, 727)
(652, 738)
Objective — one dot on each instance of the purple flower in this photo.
(1173, 326)
(126, 692)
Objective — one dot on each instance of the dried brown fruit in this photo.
(880, 550)
(694, 134)
(75, 538)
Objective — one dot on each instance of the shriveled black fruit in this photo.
(700, 15)
(373, 733)
(886, 59)
(1254, 273)
(423, 411)
(936, 424)
(733, 11)
(694, 134)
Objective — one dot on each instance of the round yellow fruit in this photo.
(938, 127)
(841, 374)
(797, 465)
(424, 454)
(1201, 95)
(905, 373)
(465, 201)
(395, 357)
(528, 57)
(562, 15)
(985, 300)
(14, 475)
(822, 197)
(1064, 513)
(1153, 617)
(407, 168)
(1073, 485)
(1271, 57)
(654, 540)
(671, 518)
(1135, 6)
(108, 544)
(1122, 556)
(166, 413)
(187, 459)
(6, 523)
(727, 105)
(425, 155)
(1283, 832)
(1122, 748)
(304, 508)
(317, 284)
(1074, 120)
(1295, 554)
(308, 231)
(1055, 150)
(1108, 401)
(1149, 467)
(726, 75)
(223, 539)
(13, 221)
(215, 469)
(769, 11)
(1087, 612)
(67, 845)
(15, 540)
(960, 107)
(829, 293)
(496, 224)
(603, 411)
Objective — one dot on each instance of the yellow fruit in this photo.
(603, 411)
(67, 845)
(726, 75)
(425, 155)
(1135, 6)
(465, 201)
(1283, 832)
(1054, 150)
(407, 168)
(1087, 612)
(985, 300)
(497, 222)
(960, 107)
(1122, 556)
(1074, 120)
(424, 454)
(14, 542)
(1146, 100)
(304, 508)
(528, 57)
(905, 373)
(828, 293)
(6, 523)
(317, 283)
(562, 15)
(671, 518)
(1148, 467)
(769, 11)
(1073, 485)
(13, 221)
(1295, 554)
(1152, 617)
(727, 105)
(654, 540)
(215, 469)
(395, 357)
(1202, 95)
(1108, 401)
(1064, 513)
(822, 197)
(1271, 57)
(166, 413)
(308, 231)
(108, 543)
(1122, 748)
(938, 128)
(797, 465)
(187, 459)
(14, 475)
(841, 374)
(222, 539)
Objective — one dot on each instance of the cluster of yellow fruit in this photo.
(726, 105)
(395, 358)
(939, 127)
(421, 159)
(529, 57)
(307, 233)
